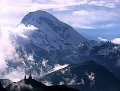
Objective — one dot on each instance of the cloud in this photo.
(15, 74)
(91, 13)
(102, 39)
(116, 40)
(109, 4)
(21, 30)
(13, 66)
(90, 18)
(81, 12)
(8, 53)
(61, 9)
(94, 16)
(18, 8)
(47, 83)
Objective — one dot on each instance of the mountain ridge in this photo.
(87, 76)
(33, 85)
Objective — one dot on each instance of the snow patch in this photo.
(44, 62)
(62, 83)
(58, 67)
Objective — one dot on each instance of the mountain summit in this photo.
(51, 32)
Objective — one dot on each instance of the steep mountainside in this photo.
(51, 39)
(51, 32)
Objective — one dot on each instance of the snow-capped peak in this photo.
(51, 32)
(36, 17)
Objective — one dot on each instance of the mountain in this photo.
(61, 88)
(5, 82)
(50, 31)
(87, 76)
(104, 53)
(26, 85)
(54, 42)
(60, 43)
(2, 88)
(33, 85)
(51, 40)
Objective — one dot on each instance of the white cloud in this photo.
(94, 15)
(61, 9)
(109, 4)
(116, 41)
(47, 83)
(89, 18)
(16, 74)
(21, 29)
(8, 52)
(6, 48)
(102, 39)
(81, 12)
(82, 26)
(17, 30)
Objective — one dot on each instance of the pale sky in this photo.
(77, 13)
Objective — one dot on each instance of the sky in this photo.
(88, 14)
